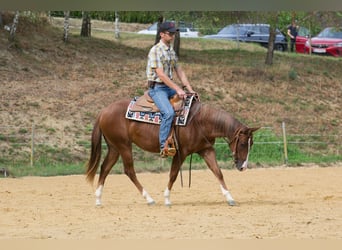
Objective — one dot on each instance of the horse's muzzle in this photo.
(241, 165)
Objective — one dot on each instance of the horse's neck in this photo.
(222, 124)
(233, 126)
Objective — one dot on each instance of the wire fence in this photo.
(37, 145)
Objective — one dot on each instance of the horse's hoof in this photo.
(151, 203)
(231, 203)
(167, 203)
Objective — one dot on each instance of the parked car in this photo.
(327, 42)
(301, 38)
(184, 31)
(256, 33)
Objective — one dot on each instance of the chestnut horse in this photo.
(204, 125)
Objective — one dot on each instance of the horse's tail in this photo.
(95, 156)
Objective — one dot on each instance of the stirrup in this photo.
(163, 154)
(171, 152)
(168, 151)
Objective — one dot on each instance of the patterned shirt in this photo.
(160, 56)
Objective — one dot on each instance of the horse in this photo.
(204, 125)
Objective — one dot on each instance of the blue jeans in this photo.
(161, 95)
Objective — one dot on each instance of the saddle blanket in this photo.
(155, 117)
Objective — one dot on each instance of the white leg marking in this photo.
(148, 198)
(167, 197)
(226, 194)
(98, 194)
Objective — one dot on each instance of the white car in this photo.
(183, 31)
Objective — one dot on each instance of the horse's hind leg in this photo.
(109, 161)
(127, 160)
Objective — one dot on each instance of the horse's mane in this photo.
(222, 121)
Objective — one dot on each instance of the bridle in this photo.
(235, 142)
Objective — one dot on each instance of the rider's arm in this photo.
(181, 75)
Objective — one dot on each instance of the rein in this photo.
(197, 99)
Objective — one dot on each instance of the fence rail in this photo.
(32, 144)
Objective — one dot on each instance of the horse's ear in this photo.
(253, 129)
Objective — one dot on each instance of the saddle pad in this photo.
(155, 117)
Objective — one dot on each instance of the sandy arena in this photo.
(282, 203)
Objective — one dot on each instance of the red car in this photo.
(301, 38)
(327, 42)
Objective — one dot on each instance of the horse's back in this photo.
(116, 108)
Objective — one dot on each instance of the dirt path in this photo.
(286, 203)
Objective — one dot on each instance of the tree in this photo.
(176, 43)
(117, 31)
(66, 26)
(160, 20)
(1, 24)
(86, 25)
(14, 26)
(272, 20)
(270, 48)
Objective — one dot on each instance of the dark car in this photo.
(256, 33)
(327, 42)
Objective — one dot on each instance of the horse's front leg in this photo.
(175, 166)
(209, 156)
(167, 197)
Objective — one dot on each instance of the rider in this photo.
(162, 60)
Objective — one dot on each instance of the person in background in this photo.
(161, 63)
(292, 31)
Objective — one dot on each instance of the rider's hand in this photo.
(191, 90)
(181, 93)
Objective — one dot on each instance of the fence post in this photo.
(32, 145)
(285, 142)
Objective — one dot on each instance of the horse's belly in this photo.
(145, 136)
